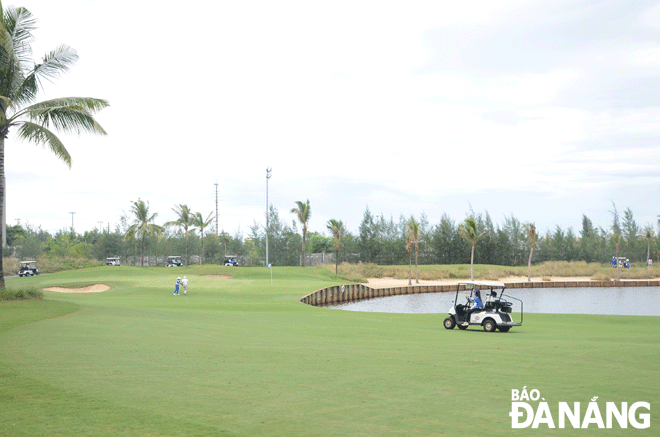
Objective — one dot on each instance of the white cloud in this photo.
(422, 106)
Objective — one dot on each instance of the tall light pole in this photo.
(269, 172)
(72, 213)
(217, 228)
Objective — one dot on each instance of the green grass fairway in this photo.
(242, 357)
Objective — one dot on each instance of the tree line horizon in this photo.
(377, 240)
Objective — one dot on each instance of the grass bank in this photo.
(240, 356)
(596, 271)
(21, 293)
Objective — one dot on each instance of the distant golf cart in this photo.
(230, 261)
(173, 261)
(28, 268)
(622, 262)
(496, 313)
(115, 261)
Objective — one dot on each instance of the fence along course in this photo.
(354, 292)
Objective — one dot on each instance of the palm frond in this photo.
(40, 135)
(19, 24)
(25, 88)
(68, 114)
(131, 232)
(55, 63)
(11, 68)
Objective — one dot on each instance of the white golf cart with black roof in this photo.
(28, 268)
(113, 261)
(173, 261)
(496, 313)
(230, 261)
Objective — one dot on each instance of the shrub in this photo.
(22, 293)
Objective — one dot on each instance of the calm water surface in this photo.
(629, 301)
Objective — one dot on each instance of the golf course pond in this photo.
(629, 301)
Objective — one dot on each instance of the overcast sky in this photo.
(543, 110)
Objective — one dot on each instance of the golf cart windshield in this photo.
(480, 285)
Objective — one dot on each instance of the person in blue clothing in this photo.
(176, 286)
(476, 305)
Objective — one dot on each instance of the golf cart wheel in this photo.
(504, 328)
(462, 327)
(490, 325)
(449, 323)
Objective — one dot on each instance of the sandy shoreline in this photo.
(392, 282)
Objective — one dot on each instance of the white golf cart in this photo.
(173, 261)
(496, 313)
(28, 268)
(230, 261)
(114, 261)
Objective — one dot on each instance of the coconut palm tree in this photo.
(530, 228)
(143, 225)
(201, 223)
(302, 212)
(20, 81)
(185, 220)
(412, 240)
(337, 229)
(468, 230)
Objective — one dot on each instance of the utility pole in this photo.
(217, 228)
(72, 230)
(269, 171)
(100, 226)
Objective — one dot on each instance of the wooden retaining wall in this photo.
(354, 292)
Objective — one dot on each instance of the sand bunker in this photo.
(96, 288)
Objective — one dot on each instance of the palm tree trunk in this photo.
(472, 262)
(186, 247)
(410, 268)
(202, 232)
(142, 257)
(302, 262)
(3, 186)
(337, 261)
(529, 265)
(416, 259)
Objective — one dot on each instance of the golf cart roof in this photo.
(27, 262)
(172, 256)
(115, 257)
(486, 284)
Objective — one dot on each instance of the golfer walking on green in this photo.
(184, 284)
